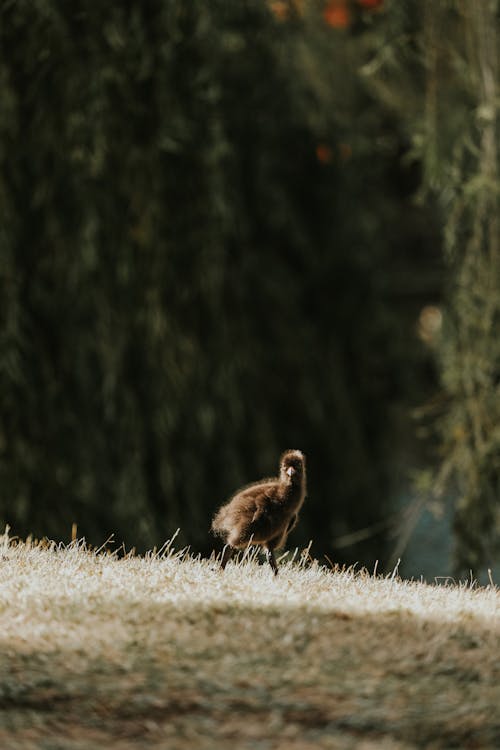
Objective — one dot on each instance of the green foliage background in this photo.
(462, 169)
(209, 252)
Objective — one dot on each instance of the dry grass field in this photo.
(165, 651)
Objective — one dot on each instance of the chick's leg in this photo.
(271, 558)
(227, 554)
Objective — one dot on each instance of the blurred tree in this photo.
(436, 64)
(208, 254)
(462, 160)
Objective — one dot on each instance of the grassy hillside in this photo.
(164, 651)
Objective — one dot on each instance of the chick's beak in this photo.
(290, 471)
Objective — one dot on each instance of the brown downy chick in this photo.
(264, 513)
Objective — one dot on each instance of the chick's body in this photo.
(264, 513)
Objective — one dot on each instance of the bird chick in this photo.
(263, 513)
